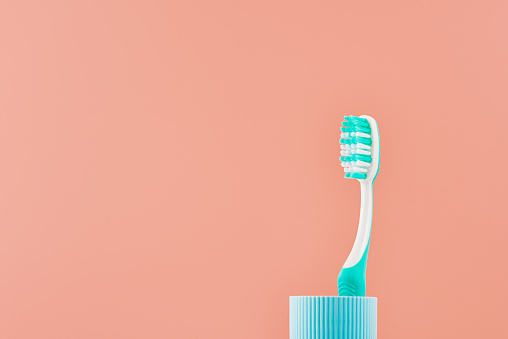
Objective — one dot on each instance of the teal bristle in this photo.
(356, 157)
(354, 144)
(361, 140)
(356, 176)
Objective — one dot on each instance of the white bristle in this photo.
(357, 151)
(363, 135)
(360, 169)
(362, 146)
(348, 147)
(362, 163)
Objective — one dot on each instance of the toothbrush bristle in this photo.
(355, 147)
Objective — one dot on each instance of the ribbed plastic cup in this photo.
(332, 317)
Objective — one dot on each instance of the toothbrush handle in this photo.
(351, 280)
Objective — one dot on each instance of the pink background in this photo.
(170, 168)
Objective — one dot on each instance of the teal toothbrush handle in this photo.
(351, 280)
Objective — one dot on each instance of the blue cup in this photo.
(316, 317)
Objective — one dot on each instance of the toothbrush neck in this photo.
(364, 225)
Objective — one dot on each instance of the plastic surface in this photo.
(351, 280)
(322, 317)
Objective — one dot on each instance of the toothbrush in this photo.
(360, 159)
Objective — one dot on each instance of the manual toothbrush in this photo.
(360, 159)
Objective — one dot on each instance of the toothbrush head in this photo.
(360, 147)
